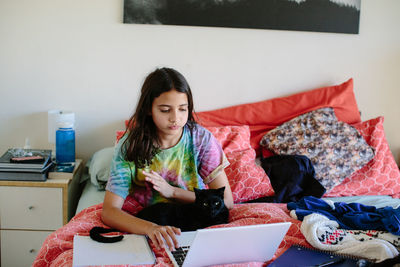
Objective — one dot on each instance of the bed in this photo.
(251, 133)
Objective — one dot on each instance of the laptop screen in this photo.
(233, 244)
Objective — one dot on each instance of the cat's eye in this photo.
(216, 203)
(205, 204)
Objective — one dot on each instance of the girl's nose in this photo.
(173, 117)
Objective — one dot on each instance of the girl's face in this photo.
(170, 114)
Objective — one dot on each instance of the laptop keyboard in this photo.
(180, 254)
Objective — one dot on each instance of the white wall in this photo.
(77, 55)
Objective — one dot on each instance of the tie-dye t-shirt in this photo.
(192, 163)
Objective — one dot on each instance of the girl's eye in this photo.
(164, 110)
(182, 109)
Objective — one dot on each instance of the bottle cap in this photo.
(65, 124)
(65, 118)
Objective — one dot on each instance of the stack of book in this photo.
(18, 164)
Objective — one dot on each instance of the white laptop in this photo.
(229, 245)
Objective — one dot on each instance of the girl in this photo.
(163, 155)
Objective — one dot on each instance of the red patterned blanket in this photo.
(58, 247)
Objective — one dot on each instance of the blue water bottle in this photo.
(65, 143)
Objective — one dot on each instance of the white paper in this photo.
(52, 116)
(132, 249)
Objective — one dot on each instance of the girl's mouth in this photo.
(173, 127)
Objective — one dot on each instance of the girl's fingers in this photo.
(159, 240)
(170, 239)
(176, 230)
(153, 177)
(157, 188)
(148, 174)
(156, 183)
(152, 174)
(165, 235)
(172, 231)
(156, 180)
(153, 239)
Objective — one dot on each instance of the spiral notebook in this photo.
(301, 256)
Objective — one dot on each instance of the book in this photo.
(56, 173)
(11, 159)
(65, 167)
(25, 174)
(132, 249)
(48, 167)
(301, 256)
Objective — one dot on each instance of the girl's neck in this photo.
(168, 141)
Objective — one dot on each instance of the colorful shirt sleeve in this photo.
(211, 157)
(121, 172)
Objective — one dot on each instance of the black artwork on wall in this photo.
(340, 16)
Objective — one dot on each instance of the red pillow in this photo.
(247, 180)
(265, 115)
(118, 135)
(380, 176)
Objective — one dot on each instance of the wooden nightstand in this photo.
(30, 211)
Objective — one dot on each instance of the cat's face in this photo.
(210, 201)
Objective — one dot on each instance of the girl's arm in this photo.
(222, 180)
(167, 190)
(113, 216)
(183, 195)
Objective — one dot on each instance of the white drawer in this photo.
(38, 208)
(20, 248)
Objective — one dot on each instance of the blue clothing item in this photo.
(292, 177)
(353, 216)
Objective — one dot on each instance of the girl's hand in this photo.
(158, 234)
(159, 184)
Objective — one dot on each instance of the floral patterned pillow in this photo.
(381, 176)
(335, 148)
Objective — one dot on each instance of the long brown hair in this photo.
(141, 130)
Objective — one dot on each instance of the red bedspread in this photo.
(57, 248)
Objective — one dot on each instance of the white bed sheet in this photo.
(377, 201)
(90, 196)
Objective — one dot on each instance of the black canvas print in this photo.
(340, 16)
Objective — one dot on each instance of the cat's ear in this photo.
(221, 191)
(196, 191)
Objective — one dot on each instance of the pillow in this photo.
(99, 167)
(265, 115)
(380, 176)
(118, 135)
(335, 148)
(248, 180)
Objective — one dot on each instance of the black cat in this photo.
(208, 209)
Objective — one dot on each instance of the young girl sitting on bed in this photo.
(162, 157)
